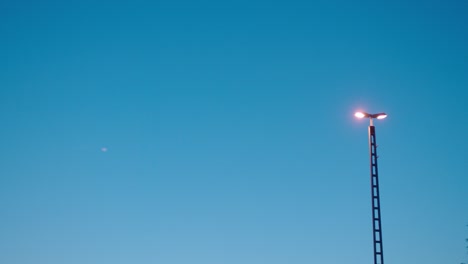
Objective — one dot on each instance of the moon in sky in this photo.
(104, 149)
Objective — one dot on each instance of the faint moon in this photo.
(104, 149)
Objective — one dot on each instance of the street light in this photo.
(370, 116)
(375, 193)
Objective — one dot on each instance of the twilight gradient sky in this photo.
(229, 131)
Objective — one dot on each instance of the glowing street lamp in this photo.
(376, 216)
(370, 116)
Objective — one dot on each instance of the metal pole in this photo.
(376, 217)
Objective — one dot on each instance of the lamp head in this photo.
(361, 114)
(371, 116)
(381, 116)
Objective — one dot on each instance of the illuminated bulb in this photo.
(359, 115)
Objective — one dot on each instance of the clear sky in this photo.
(229, 133)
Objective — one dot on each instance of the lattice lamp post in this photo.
(374, 173)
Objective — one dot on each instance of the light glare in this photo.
(359, 115)
(381, 116)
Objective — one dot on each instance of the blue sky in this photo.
(230, 131)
